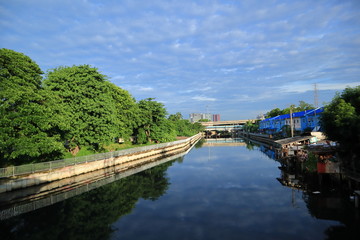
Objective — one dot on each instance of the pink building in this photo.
(216, 117)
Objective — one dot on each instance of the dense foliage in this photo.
(184, 127)
(301, 107)
(153, 123)
(85, 95)
(73, 108)
(341, 122)
(341, 118)
(30, 122)
(251, 126)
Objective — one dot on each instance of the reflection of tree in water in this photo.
(200, 143)
(327, 197)
(337, 207)
(250, 145)
(90, 215)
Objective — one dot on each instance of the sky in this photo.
(238, 59)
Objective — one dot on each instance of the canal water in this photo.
(216, 191)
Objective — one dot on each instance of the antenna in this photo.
(316, 101)
(207, 112)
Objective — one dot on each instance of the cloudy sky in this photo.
(235, 58)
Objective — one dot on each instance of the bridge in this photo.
(225, 125)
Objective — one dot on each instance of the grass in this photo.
(106, 148)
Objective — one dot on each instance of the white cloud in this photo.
(228, 70)
(301, 87)
(118, 77)
(247, 52)
(203, 98)
(138, 88)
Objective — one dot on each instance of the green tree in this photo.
(184, 127)
(175, 117)
(127, 111)
(301, 107)
(340, 121)
(304, 106)
(274, 112)
(30, 120)
(87, 98)
(251, 126)
(152, 121)
(341, 118)
(204, 120)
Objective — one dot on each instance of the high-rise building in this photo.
(195, 117)
(216, 117)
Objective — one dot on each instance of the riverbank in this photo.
(126, 159)
(300, 148)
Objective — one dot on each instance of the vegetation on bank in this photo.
(340, 122)
(72, 109)
(301, 107)
(253, 127)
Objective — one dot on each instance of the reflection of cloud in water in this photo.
(235, 194)
(207, 168)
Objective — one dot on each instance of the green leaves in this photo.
(27, 121)
(340, 119)
(277, 111)
(72, 107)
(184, 127)
(151, 120)
(126, 116)
(87, 98)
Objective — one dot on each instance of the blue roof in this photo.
(296, 114)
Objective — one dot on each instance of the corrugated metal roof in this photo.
(296, 114)
(293, 140)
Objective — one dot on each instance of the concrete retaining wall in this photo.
(133, 159)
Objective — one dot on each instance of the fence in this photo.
(43, 200)
(47, 166)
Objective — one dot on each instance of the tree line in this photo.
(301, 107)
(254, 126)
(340, 121)
(45, 116)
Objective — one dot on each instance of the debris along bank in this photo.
(300, 147)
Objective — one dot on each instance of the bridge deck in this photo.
(229, 123)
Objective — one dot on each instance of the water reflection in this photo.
(90, 215)
(230, 191)
(327, 196)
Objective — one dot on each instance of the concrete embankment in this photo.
(14, 203)
(128, 159)
(263, 138)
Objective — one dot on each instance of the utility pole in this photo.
(291, 122)
(316, 100)
(207, 113)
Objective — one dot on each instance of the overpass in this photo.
(225, 125)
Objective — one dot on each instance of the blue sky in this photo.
(235, 58)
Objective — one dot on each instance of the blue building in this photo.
(308, 119)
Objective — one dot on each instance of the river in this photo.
(217, 191)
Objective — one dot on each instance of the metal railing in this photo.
(46, 200)
(47, 166)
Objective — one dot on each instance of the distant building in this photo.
(260, 117)
(216, 117)
(195, 117)
(301, 121)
